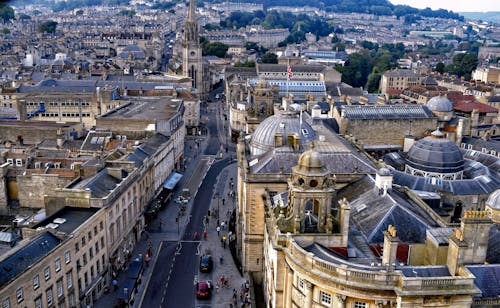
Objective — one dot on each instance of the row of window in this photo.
(83, 104)
(65, 114)
(48, 291)
(326, 298)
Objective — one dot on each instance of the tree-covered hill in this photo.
(377, 7)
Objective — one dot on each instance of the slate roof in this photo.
(276, 161)
(286, 123)
(138, 157)
(435, 155)
(481, 185)
(492, 254)
(329, 255)
(101, 184)
(480, 143)
(487, 279)
(282, 68)
(386, 112)
(26, 256)
(400, 73)
(441, 236)
(425, 271)
(373, 212)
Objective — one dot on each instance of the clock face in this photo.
(193, 53)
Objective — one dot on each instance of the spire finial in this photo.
(191, 11)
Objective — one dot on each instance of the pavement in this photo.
(166, 229)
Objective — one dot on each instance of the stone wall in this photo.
(3, 188)
(32, 188)
(132, 128)
(33, 134)
(385, 132)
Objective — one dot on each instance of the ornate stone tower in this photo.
(192, 65)
(311, 195)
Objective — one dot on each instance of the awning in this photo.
(172, 180)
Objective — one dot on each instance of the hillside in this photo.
(486, 16)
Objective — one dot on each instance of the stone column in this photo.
(308, 294)
(341, 300)
(288, 287)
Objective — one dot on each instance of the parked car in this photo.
(206, 264)
(203, 290)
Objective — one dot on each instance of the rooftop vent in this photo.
(59, 220)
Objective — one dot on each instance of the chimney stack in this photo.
(391, 242)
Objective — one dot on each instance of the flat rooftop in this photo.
(40, 124)
(71, 218)
(146, 108)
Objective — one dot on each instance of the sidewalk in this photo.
(163, 228)
(223, 294)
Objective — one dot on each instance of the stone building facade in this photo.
(71, 273)
(317, 232)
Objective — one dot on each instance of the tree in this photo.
(5, 31)
(47, 27)
(373, 80)
(244, 64)
(463, 64)
(6, 12)
(440, 67)
(356, 70)
(270, 58)
(129, 13)
(79, 13)
(215, 49)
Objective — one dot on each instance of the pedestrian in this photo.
(150, 247)
(195, 235)
(218, 231)
(147, 259)
(221, 259)
(205, 235)
(222, 242)
(115, 284)
(223, 225)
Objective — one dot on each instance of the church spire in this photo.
(191, 26)
(191, 13)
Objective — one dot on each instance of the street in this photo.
(177, 266)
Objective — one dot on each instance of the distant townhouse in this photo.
(398, 80)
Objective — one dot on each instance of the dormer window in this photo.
(19, 162)
(10, 161)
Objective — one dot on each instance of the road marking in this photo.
(150, 274)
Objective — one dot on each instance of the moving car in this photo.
(203, 290)
(206, 264)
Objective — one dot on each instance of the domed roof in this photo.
(494, 200)
(286, 123)
(310, 159)
(440, 104)
(384, 171)
(435, 154)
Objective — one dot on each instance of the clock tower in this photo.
(192, 65)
